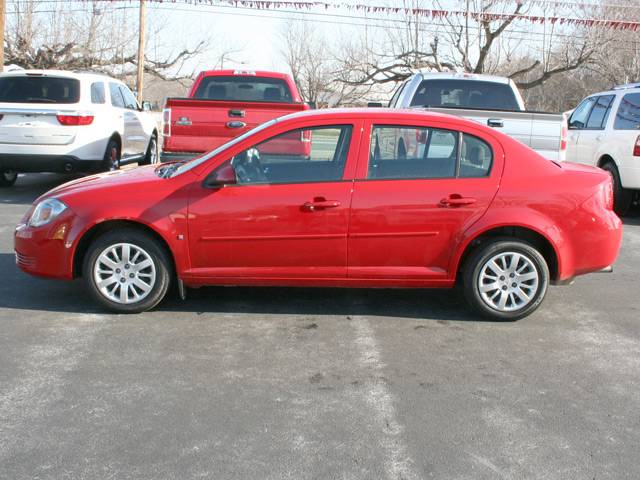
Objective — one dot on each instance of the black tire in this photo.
(8, 178)
(475, 265)
(622, 197)
(156, 253)
(112, 155)
(152, 156)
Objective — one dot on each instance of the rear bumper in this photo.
(47, 163)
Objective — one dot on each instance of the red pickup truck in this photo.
(223, 104)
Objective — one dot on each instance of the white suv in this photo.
(57, 121)
(604, 130)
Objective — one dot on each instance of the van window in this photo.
(600, 112)
(39, 89)
(628, 115)
(97, 92)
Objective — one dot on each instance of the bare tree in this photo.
(100, 38)
(472, 41)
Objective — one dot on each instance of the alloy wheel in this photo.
(124, 273)
(508, 281)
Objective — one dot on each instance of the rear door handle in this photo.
(457, 201)
(319, 204)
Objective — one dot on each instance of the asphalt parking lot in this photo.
(283, 383)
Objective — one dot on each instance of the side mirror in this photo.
(146, 106)
(222, 176)
(374, 104)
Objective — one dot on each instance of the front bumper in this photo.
(45, 251)
(47, 163)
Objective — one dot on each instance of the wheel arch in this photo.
(100, 228)
(116, 136)
(606, 158)
(526, 233)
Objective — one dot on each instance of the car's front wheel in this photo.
(127, 271)
(506, 279)
(8, 178)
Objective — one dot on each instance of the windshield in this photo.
(180, 168)
(465, 94)
(40, 89)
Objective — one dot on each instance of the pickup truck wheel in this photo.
(111, 160)
(152, 156)
(8, 178)
(127, 271)
(622, 197)
(506, 279)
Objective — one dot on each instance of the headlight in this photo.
(46, 211)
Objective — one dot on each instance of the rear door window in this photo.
(244, 88)
(600, 112)
(455, 93)
(39, 89)
(628, 115)
(399, 152)
(116, 96)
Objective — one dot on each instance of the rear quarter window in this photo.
(40, 89)
(628, 115)
(244, 89)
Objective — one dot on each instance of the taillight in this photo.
(607, 192)
(166, 122)
(564, 133)
(75, 120)
(636, 147)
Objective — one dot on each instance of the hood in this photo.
(99, 181)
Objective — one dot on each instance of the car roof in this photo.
(244, 72)
(379, 114)
(59, 73)
(464, 76)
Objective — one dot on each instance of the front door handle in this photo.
(457, 201)
(319, 204)
(495, 122)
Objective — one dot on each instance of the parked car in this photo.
(223, 104)
(604, 130)
(57, 121)
(487, 99)
(491, 212)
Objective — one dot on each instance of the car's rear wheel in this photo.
(111, 160)
(8, 178)
(127, 271)
(622, 197)
(152, 156)
(506, 279)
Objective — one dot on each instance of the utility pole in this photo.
(3, 11)
(141, 29)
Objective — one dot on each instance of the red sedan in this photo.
(464, 203)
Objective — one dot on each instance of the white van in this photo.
(604, 130)
(58, 121)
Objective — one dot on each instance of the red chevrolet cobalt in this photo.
(386, 198)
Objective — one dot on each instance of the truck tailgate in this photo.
(202, 125)
(540, 131)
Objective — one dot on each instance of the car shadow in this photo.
(24, 292)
